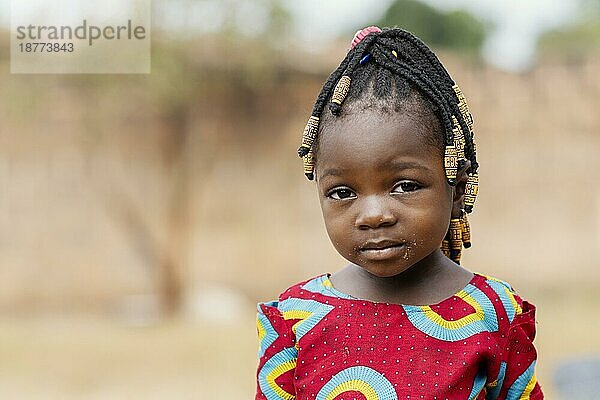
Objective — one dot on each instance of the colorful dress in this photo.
(317, 343)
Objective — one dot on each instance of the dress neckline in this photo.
(462, 293)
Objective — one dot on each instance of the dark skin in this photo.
(387, 207)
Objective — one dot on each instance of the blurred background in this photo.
(143, 216)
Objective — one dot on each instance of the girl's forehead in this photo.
(376, 138)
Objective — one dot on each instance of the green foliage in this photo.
(456, 30)
(276, 26)
(575, 40)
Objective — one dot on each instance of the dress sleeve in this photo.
(517, 379)
(277, 355)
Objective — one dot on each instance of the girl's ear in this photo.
(458, 201)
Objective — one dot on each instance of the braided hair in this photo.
(395, 67)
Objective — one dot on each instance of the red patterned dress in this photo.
(317, 343)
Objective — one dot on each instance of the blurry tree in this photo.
(183, 84)
(271, 19)
(175, 98)
(577, 39)
(458, 30)
(170, 93)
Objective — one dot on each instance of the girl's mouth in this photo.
(382, 249)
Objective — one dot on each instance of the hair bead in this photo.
(455, 239)
(466, 230)
(464, 108)
(462, 101)
(445, 247)
(309, 135)
(455, 233)
(363, 33)
(459, 139)
(309, 165)
(450, 164)
(471, 190)
(339, 94)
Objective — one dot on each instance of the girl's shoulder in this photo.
(504, 291)
(305, 290)
(511, 310)
(308, 289)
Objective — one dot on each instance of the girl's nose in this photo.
(375, 213)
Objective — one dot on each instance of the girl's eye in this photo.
(406, 186)
(341, 194)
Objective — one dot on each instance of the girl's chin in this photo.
(381, 271)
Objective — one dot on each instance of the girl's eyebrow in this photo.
(332, 172)
(392, 165)
(405, 164)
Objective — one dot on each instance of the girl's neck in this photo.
(417, 274)
(428, 281)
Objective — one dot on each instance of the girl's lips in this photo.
(380, 244)
(382, 250)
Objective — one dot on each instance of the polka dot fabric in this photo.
(316, 343)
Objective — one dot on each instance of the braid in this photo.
(423, 82)
(357, 55)
(328, 86)
(442, 79)
(345, 69)
(310, 131)
(392, 64)
(435, 65)
(432, 59)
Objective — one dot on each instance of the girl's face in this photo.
(383, 191)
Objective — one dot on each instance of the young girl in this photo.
(395, 167)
